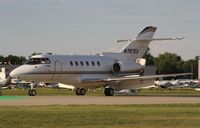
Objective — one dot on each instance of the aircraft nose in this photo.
(18, 72)
(14, 73)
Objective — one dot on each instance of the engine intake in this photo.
(116, 68)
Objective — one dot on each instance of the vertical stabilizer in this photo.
(146, 33)
(135, 48)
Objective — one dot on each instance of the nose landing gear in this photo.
(32, 92)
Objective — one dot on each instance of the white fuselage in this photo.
(71, 69)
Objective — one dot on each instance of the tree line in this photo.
(12, 60)
(168, 63)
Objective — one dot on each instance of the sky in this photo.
(92, 26)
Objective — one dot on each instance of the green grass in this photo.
(102, 116)
(170, 92)
(47, 92)
(11, 97)
(99, 92)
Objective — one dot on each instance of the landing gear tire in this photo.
(80, 91)
(32, 92)
(109, 92)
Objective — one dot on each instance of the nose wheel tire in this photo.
(109, 92)
(32, 92)
(80, 91)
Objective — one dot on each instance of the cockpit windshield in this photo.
(33, 61)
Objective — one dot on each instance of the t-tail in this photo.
(136, 48)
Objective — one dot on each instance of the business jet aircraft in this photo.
(112, 70)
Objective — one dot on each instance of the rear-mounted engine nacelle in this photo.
(127, 67)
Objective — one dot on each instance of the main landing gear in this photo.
(80, 91)
(109, 91)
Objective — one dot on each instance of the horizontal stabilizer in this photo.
(160, 39)
(120, 41)
(150, 39)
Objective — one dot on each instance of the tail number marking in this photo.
(131, 51)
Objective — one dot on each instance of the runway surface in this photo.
(96, 100)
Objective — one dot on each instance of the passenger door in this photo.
(57, 70)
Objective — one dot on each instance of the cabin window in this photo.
(98, 63)
(47, 61)
(81, 63)
(76, 63)
(93, 64)
(87, 63)
(71, 63)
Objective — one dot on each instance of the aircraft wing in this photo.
(132, 78)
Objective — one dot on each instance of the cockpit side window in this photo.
(33, 61)
(47, 61)
(43, 60)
